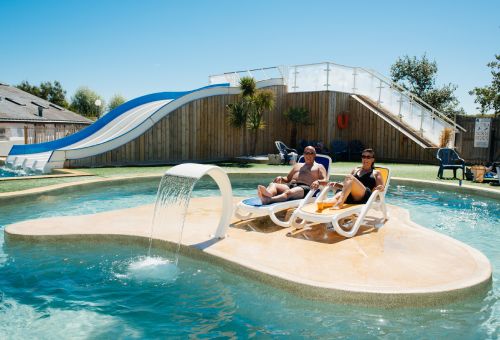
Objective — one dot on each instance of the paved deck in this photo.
(399, 264)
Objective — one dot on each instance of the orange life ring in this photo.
(342, 121)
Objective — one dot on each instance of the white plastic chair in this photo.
(309, 214)
(253, 207)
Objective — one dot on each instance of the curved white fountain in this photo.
(197, 171)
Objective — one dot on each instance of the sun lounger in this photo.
(310, 213)
(253, 207)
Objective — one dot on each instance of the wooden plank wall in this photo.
(199, 132)
(465, 142)
(389, 144)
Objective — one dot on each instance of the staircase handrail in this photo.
(412, 96)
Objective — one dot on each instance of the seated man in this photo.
(302, 178)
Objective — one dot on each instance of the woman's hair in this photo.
(369, 150)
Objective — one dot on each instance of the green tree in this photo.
(116, 101)
(53, 92)
(263, 100)
(488, 97)
(419, 77)
(237, 118)
(297, 116)
(84, 102)
(247, 113)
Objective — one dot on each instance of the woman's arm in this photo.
(379, 181)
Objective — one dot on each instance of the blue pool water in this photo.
(98, 290)
(4, 172)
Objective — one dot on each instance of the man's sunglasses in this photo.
(366, 157)
(309, 153)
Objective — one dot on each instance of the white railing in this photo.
(413, 111)
(264, 73)
(405, 106)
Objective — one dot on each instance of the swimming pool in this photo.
(84, 289)
(4, 173)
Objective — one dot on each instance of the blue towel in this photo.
(255, 202)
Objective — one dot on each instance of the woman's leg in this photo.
(351, 186)
(334, 199)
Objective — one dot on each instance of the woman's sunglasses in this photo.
(366, 157)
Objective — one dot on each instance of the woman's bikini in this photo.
(369, 181)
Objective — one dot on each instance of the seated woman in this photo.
(358, 186)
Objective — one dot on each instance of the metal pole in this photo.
(295, 79)
(400, 105)
(379, 92)
(354, 74)
(327, 75)
(421, 123)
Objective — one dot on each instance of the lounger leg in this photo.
(383, 207)
(277, 221)
(295, 224)
(354, 229)
(242, 217)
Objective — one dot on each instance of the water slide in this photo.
(119, 126)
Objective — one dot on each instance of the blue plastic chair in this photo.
(449, 159)
(354, 149)
(338, 150)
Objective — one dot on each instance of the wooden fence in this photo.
(199, 132)
(465, 142)
(40, 133)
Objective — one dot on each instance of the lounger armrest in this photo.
(323, 193)
(307, 199)
(373, 197)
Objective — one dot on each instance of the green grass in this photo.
(25, 184)
(411, 171)
(126, 171)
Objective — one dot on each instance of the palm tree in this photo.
(248, 111)
(248, 87)
(262, 101)
(297, 116)
(237, 117)
(240, 111)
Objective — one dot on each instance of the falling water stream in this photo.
(169, 214)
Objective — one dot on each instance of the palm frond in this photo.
(248, 86)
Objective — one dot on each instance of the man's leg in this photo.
(272, 190)
(289, 194)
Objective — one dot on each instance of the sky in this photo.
(134, 48)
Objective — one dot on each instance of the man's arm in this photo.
(322, 178)
(288, 178)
